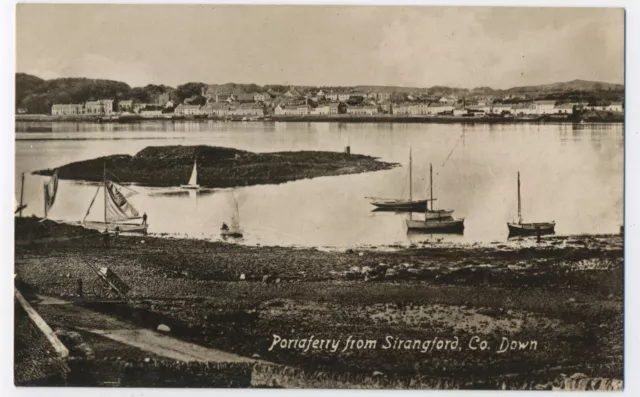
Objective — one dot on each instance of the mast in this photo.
(519, 204)
(22, 195)
(431, 184)
(410, 177)
(44, 194)
(104, 181)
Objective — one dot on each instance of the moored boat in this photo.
(532, 228)
(521, 228)
(234, 230)
(407, 205)
(193, 181)
(436, 226)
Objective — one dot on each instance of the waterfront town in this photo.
(318, 103)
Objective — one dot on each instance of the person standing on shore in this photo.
(144, 218)
(105, 237)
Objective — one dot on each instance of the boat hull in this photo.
(122, 227)
(392, 205)
(231, 234)
(455, 226)
(190, 187)
(531, 229)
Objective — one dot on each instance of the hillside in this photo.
(574, 85)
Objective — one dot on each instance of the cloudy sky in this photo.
(321, 45)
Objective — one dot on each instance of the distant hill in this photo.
(575, 85)
(24, 84)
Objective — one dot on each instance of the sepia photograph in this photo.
(319, 197)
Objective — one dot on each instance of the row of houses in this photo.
(222, 109)
(537, 108)
(105, 107)
(99, 107)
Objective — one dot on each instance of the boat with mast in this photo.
(193, 181)
(520, 228)
(403, 205)
(233, 230)
(436, 221)
(118, 212)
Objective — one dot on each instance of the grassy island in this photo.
(218, 167)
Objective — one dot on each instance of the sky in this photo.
(466, 47)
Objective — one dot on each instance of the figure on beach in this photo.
(144, 218)
(105, 238)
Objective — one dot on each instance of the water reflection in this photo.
(474, 170)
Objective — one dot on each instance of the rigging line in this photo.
(454, 148)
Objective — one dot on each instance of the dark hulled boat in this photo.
(520, 228)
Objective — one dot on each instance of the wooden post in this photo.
(21, 194)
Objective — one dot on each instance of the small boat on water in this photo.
(118, 212)
(232, 231)
(435, 221)
(454, 226)
(193, 181)
(410, 205)
(520, 228)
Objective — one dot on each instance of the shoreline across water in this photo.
(550, 119)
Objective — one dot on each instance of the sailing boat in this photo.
(193, 181)
(117, 210)
(532, 228)
(389, 204)
(438, 221)
(233, 230)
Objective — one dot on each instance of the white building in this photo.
(101, 107)
(321, 110)
(362, 110)
(67, 109)
(188, 110)
(565, 108)
(615, 107)
(544, 107)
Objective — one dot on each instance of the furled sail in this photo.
(194, 175)
(50, 190)
(118, 208)
(235, 217)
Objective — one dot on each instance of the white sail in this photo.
(118, 208)
(235, 218)
(194, 175)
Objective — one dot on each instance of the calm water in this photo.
(572, 174)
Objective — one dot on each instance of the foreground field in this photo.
(565, 294)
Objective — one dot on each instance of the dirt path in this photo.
(62, 313)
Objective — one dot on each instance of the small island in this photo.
(218, 167)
